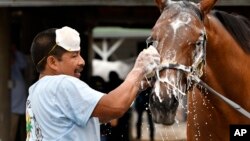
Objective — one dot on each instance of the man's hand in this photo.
(148, 60)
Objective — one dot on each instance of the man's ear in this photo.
(52, 62)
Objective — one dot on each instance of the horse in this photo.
(205, 55)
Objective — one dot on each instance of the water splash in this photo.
(162, 137)
(179, 22)
(174, 132)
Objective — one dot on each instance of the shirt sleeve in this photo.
(77, 100)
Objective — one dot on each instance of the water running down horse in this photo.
(216, 46)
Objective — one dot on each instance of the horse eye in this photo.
(149, 41)
(150, 44)
(198, 43)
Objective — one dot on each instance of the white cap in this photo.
(68, 38)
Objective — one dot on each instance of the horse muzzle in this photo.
(163, 106)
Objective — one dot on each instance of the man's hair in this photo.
(44, 45)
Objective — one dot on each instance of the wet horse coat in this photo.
(216, 46)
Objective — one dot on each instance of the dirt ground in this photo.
(176, 132)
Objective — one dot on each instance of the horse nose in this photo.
(163, 104)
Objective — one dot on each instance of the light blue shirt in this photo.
(59, 108)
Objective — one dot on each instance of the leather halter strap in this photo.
(195, 78)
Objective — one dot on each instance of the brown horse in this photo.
(205, 55)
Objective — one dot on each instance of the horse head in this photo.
(180, 38)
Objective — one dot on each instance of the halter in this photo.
(194, 72)
(195, 69)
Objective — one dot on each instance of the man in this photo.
(62, 107)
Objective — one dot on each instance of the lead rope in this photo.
(228, 101)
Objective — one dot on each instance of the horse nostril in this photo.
(175, 101)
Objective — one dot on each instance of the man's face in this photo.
(71, 64)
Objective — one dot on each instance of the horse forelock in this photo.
(187, 7)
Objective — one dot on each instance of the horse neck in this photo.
(226, 71)
(226, 63)
(227, 66)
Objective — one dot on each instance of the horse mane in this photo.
(237, 25)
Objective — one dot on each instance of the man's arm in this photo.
(117, 102)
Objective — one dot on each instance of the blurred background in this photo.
(112, 32)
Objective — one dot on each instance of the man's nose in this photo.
(81, 61)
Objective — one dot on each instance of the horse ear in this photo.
(162, 4)
(206, 5)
